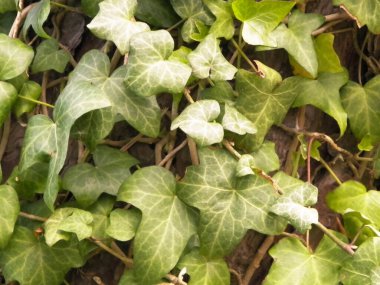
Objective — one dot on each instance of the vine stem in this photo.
(328, 168)
(172, 153)
(32, 217)
(36, 101)
(246, 58)
(346, 247)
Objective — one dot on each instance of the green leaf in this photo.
(197, 121)
(365, 12)
(31, 262)
(31, 90)
(65, 221)
(264, 101)
(9, 209)
(166, 220)
(204, 271)
(266, 158)
(223, 199)
(114, 22)
(123, 224)
(90, 7)
(223, 27)
(158, 13)
(355, 223)
(323, 93)
(236, 122)
(7, 5)
(244, 166)
(149, 72)
(362, 105)
(49, 56)
(88, 182)
(293, 260)
(363, 267)
(6, 21)
(260, 18)
(221, 92)
(15, 57)
(328, 60)
(101, 211)
(293, 204)
(297, 39)
(8, 96)
(207, 60)
(36, 18)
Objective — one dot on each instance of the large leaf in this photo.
(124, 224)
(36, 18)
(362, 105)
(352, 195)
(196, 121)
(297, 39)
(366, 12)
(363, 267)
(8, 96)
(115, 22)
(223, 199)
(15, 57)
(207, 60)
(32, 262)
(260, 18)
(166, 220)
(149, 72)
(293, 260)
(323, 93)
(49, 56)
(204, 271)
(88, 182)
(158, 13)
(223, 27)
(9, 209)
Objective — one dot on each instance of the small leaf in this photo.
(123, 224)
(158, 13)
(15, 57)
(244, 166)
(236, 122)
(266, 158)
(223, 27)
(49, 56)
(9, 209)
(328, 60)
(36, 18)
(355, 223)
(114, 22)
(207, 60)
(149, 72)
(166, 220)
(8, 96)
(196, 121)
(30, 89)
(221, 92)
(88, 182)
(101, 211)
(90, 7)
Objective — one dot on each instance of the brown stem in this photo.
(32, 217)
(193, 151)
(5, 136)
(173, 153)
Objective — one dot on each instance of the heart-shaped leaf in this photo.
(223, 27)
(124, 224)
(236, 122)
(36, 18)
(8, 96)
(9, 209)
(49, 56)
(101, 211)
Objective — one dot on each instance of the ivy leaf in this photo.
(323, 93)
(260, 18)
(15, 57)
(205, 271)
(297, 39)
(223, 199)
(362, 106)
(292, 205)
(65, 221)
(8, 96)
(88, 182)
(158, 13)
(101, 211)
(236, 122)
(30, 89)
(123, 224)
(149, 72)
(359, 227)
(47, 265)
(49, 56)
(196, 121)
(114, 22)
(9, 209)
(166, 220)
(244, 166)
(353, 195)
(363, 266)
(223, 27)
(36, 18)
(292, 258)
(221, 92)
(90, 7)
(7, 5)
(207, 60)
(365, 12)
(328, 60)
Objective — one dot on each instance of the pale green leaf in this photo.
(158, 13)
(9, 209)
(362, 105)
(236, 122)
(358, 226)
(294, 262)
(15, 57)
(36, 18)
(197, 121)
(166, 220)
(31, 261)
(101, 211)
(114, 22)
(366, 12)
(224, 199)
(124, 224)
(31, 90)
(244, 165)
(88, 182)
(65, 221)
(363, 267)
(7, 5)
(149, 72)
(223, 27)
(207, 60)
(260, 18)
(49, 56)
(266, 158)
(8, 96)
(204, 271)
(328, 60)
(323, 93)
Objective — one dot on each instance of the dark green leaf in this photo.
(90, 7)
(49, 56)
(36, 18)
(158, 13)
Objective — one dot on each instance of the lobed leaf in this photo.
(223, 27)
